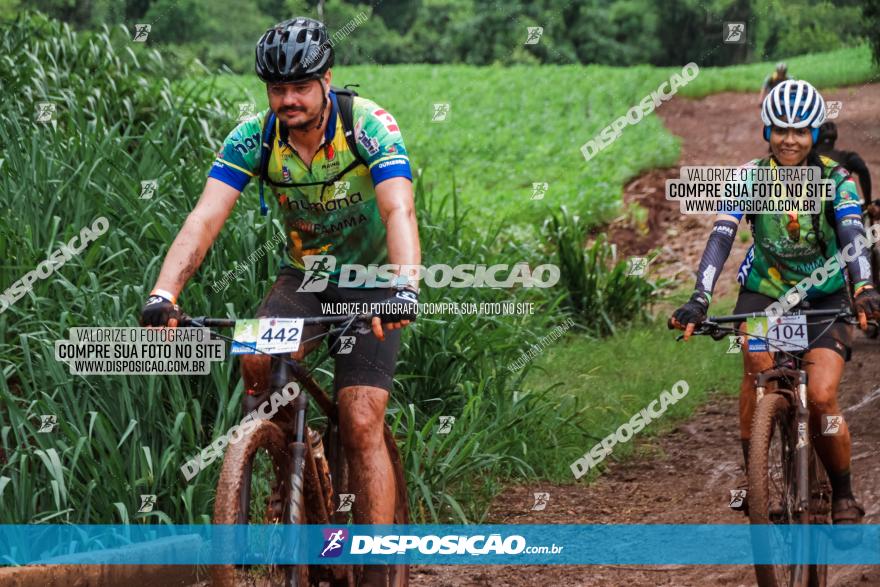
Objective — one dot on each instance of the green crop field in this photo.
(510, 127)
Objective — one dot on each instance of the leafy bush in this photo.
(600, 293)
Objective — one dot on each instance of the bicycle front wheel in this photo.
(254, 488)
(820, 512)
(772, 486)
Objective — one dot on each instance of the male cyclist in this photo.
(849, 159)
(773, 80)
(786, 249)
(371, 221)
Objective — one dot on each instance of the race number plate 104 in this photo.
(269, 335)
(785, 333)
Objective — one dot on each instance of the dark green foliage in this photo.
(482, 32)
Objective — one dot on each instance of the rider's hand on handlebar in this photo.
(160, 311)
(867, 305)
(690, 315)
(399, 310)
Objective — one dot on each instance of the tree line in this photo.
(483, 32)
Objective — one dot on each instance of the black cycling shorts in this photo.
(370, 361)
(838, 337)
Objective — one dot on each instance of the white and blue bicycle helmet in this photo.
(793, 104)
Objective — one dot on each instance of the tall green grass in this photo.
(612, 379)
(598, 291)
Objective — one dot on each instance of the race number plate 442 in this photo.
(785, 333)
(269, 335)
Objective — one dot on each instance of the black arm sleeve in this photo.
(714, 256)
(856, 164)
(851, 234)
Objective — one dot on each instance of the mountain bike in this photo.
(305, 470)
(787, 483)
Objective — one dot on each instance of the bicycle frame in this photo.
(283, 370)
(282, 373)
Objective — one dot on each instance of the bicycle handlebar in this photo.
(207, 322)
(712, 325)
(840, 312)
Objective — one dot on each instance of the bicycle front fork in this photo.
(801, 425)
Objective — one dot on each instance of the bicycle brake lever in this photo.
(185, 320)
(718, 334)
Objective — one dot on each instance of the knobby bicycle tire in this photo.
(820, 511)
(234, 487)
(773, 416)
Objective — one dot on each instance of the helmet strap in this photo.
(323, 103)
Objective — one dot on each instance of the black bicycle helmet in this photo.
(294, 50)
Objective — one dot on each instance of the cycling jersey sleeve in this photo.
(380, 142)
(239, 158)
(717, 250)
(846, 200)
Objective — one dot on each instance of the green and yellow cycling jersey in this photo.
(340, 219)
(773, 80)
(778, 259)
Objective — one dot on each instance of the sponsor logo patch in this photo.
(387, 120)
(369, 143)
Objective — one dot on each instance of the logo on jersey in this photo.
(744, 269)
(387, 120)
(285, 173)
(368, 142)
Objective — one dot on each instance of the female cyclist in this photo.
(787, 249)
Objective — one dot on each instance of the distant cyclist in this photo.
(849, 159)
(773, 80)
(788, 247)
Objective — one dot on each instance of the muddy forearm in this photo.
(397, 208)
(184, 256)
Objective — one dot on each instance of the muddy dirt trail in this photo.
(684, 477)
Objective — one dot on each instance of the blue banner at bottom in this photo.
(734, 544)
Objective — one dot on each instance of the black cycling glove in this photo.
(693, 311)
(868, 301)
(158, 311)
(402, 305)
